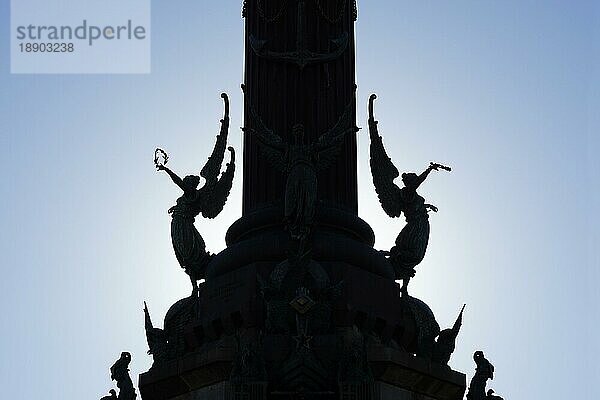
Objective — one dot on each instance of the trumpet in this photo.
(437, 166)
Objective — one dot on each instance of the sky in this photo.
(506, 92)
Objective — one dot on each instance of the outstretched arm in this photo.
(432, 167)
(424, 175)
(176, 179)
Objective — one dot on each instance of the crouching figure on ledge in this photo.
(209, 200)
(411, 243)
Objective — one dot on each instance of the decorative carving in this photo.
(446, 341)
(354, 365)
(483, 372)
(168, 343)
(249, 364)
(341, 10)
(300, 162)
(320, 315)
(278, 308)
(188, 244)
(119, 372)
(158, 345)
(302, 371)
(302, 303)
(302, 338)
(301, 56)
(299, 285)
(411, 243)
(276, 16)
(427, 327)
(432, 343)
(299, 301)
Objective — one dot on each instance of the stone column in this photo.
(285, 93)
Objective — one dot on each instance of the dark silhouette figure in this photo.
(156, 338)
(300, 162)
(483, 372)
(119, 372)
(113, 395)
(492, 396)
(446, 341)
(427, 326)
(411, 243)
(169, 343)
(209, 200)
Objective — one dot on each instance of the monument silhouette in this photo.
(300, 305)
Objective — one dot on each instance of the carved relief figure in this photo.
(248, 364)
(209, 200)
(411, 243)
(300, 162)
(446, 341)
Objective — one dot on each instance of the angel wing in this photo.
(215, 196)
(272, 147)
(154, 336)
(328, 146)
(383, 170)
(212, 168)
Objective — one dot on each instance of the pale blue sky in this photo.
(507, 92)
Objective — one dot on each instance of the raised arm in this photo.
(176, 179)
(421, 178)
(432, 167)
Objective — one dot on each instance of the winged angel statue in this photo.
(209, 200)
(411, 243)
(301, 162)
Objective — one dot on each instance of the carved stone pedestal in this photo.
(397, 376)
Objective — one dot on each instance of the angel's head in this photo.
(191, 181)
(478, 355)
(410, 179)
(298, 133)
(113, 392)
